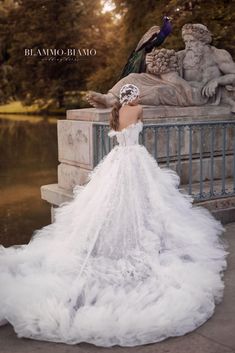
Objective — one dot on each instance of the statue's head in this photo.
(196, 36)
(163, 61)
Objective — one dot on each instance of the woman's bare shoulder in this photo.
(129, 115)
(132, 108)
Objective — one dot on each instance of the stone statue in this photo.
(206, 66)
(200, 74)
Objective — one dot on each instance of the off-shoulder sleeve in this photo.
(140, 126)
(112, 133)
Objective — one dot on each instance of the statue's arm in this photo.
(225, 61)
(227, 67)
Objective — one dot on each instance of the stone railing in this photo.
(197, 142)
(202, 153)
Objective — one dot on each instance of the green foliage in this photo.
(218, 16)
(54, 24)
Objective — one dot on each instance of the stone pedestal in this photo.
(76, 144)
(151, 113)
(75, 152)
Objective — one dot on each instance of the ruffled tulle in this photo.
(129, 261)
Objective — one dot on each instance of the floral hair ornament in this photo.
(128, 93)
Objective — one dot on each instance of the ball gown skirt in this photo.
(129, 261)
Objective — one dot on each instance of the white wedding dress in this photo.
(129, 261)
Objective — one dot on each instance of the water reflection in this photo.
(28, 159)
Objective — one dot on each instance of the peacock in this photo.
(153, 38)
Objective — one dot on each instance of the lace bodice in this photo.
(129, 135)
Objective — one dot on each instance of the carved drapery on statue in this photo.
(161, 91)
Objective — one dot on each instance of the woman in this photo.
(128, 262)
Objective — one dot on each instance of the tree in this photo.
(219, 16)
(54, 24)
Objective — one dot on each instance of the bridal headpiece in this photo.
(128, 93)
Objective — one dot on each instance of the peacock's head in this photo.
(167, 19)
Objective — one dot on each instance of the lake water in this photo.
(28, 160)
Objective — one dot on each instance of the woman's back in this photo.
(129, 114)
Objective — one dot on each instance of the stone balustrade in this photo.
(76, 144)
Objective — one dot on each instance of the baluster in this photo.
(95, 145)
(212, 161)
(201, 162)
(109, 141)
(167, 145)
(190, 160)
(179, 152)
(223, 159)
(155, 141)
(143, 136)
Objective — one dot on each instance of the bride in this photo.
(129, 261)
